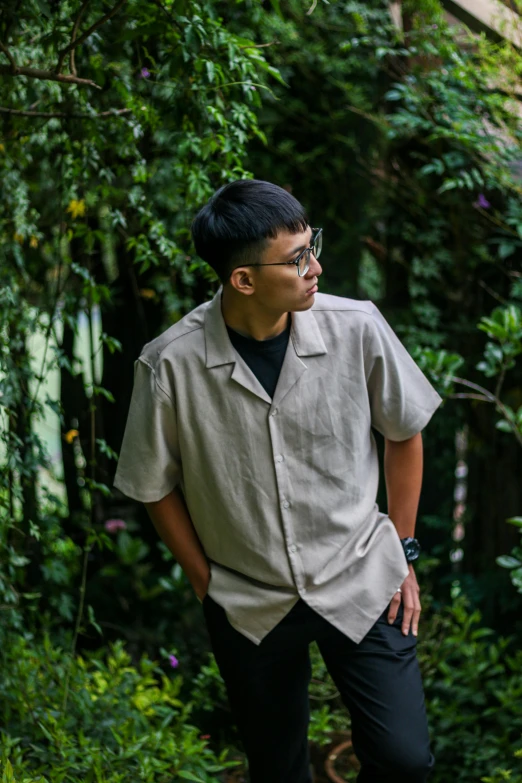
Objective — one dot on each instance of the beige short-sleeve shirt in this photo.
(282, 492)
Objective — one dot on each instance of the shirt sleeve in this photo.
(402, 400)
(149, 466)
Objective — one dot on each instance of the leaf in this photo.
(111, 342)
(506, 249)
(8, 776)
(449, 184)
(517, 521)
(97, 390)
(394, 95)
(106, 449)
(211, 71)
(516, 577)
(189, 776)
(506, 561)
(92, 620)
(96, 485)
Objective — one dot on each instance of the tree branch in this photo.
(464, 396)
(77, 41)
(9, 56)
(476, 387)
(258, 46)
(52, 114)
(38, 73)
(168, 14)
(74, 33)
(488, 397)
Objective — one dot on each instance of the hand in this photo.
(201, 588)
(411, 602)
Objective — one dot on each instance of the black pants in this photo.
(378, 679)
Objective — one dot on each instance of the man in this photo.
(259, 406)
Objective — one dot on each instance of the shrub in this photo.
(506, 774)
(473, 687)
(96, 719)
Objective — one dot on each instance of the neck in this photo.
(249, 318)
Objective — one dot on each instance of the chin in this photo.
(304, 304)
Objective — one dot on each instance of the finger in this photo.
(394, 607)
(406, 619)
(415, 619)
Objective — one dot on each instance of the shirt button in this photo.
(274, 412)
(279, 458)
(292, 549)
(286, 504)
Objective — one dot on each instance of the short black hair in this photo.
(232, 228)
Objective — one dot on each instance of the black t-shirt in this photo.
(264, 357)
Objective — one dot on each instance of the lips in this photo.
(312, 290)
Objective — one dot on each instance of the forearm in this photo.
(172, 521)
(403, 464)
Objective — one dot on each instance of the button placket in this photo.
(283, 486)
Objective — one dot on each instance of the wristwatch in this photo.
(411, 548)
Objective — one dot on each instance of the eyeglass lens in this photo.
(317, 246)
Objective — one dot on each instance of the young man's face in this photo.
(278, 287)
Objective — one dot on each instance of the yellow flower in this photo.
(76, 208)
(33, 242)
(2, 148)
(147, 293)
(71, 435)
(18, 238)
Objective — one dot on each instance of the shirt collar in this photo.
(305, 335)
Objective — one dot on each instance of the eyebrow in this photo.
(297, 250)
(302, 247)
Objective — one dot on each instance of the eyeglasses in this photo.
(302, 262)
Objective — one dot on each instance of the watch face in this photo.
(411, 549)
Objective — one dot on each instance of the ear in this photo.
(242, 280)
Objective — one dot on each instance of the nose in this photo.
(315, 268)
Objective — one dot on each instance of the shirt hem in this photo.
(142, 497)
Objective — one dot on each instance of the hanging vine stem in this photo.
(50, 326)
(90, 527)
(73, 35)
(75, 42)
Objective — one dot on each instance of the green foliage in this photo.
(505, 327)
(122, 722)
(473, 687)
(407, 146)
(99, 189)
(513, 562)
(514, 776)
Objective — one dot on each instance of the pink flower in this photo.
(173, 661)
(113, 525)
(481, 202)
(204, 736)
(144, 73)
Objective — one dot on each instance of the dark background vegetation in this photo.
(116, 124)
